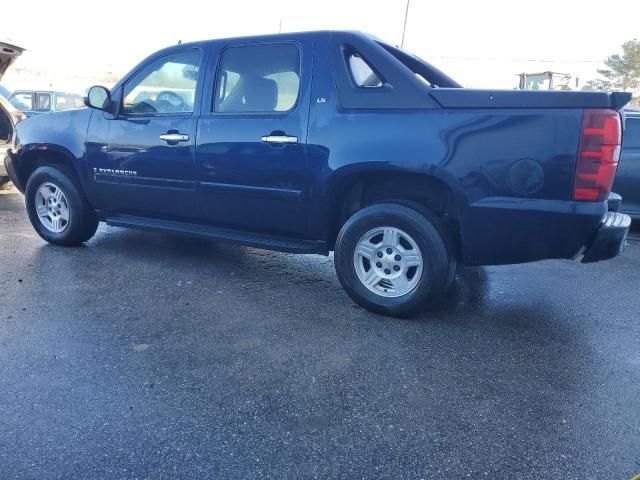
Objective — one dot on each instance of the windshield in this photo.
(537, 82)
(22, 101)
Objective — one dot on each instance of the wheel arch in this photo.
(433, 193)
(37, 155)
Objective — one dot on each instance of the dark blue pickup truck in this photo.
(331, 141)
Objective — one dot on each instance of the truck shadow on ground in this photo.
(305, 314)
(302, 283)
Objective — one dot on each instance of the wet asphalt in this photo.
(144, 355)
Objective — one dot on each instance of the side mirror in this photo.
(98, 97)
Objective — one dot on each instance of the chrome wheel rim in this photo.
(52, 207)
(388, 262)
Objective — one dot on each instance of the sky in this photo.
(482, 44)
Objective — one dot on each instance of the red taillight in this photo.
(597, 155)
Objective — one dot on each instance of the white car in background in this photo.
(9, 116)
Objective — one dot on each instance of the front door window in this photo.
(166, 86)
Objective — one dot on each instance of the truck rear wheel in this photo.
(392, 259)
(57, 210)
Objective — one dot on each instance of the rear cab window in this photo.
(261, 78)
(368, 77)
(361, 72)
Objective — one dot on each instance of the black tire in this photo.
(435, 221)
(82, 223)
(430, 239)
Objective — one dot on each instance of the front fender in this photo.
(59, 136)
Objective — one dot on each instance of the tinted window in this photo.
(43, 102)
(631, 135)
(258, 78)
(65, 102)
(167, 85)
(361, 73)
(22, 101)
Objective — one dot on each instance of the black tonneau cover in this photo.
(472, 98)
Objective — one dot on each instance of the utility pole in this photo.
(404, 28)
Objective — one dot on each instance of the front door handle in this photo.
(174, 137)
(279, 139)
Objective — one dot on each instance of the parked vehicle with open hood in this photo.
(9, 116)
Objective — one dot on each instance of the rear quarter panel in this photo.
(511, 171)
(508, 158)
(473, 151)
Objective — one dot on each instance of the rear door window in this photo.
(64, 102)
(43, 102)
(261, 78)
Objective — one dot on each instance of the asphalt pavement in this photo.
(143, 355)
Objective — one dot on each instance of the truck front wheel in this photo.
(392, 259)
(56, 208)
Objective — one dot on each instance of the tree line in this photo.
(622, 72)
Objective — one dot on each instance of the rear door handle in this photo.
(279, 139)
(174, 137)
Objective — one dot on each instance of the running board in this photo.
(267, 242)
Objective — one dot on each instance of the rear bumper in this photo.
(503, 230)
(610, 239)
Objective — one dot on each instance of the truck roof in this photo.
(272, 37)
(275, 36)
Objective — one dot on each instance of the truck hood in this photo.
(8, 55)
